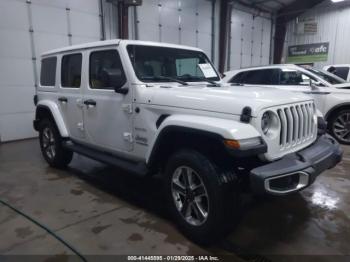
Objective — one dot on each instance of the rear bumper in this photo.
(296, 171)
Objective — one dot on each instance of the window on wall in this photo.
(48, 71)
(71, 71)
(105, 69)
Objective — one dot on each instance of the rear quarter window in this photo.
(342, 72)
(48, 71)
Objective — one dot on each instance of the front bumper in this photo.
(296, 171)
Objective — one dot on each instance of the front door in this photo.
(70, 95)
(107, 114)
(297, 81)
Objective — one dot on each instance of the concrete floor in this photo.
(100, 210)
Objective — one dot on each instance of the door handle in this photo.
(63, 99)
(90, 103)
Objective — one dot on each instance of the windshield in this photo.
(330, 78)
(163, 64)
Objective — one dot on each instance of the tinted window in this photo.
(48, 71)
(105, 69)
(330, 78)
(239, 78)
(71, 70)
(342, 72)
(257, 77)
(293, 77)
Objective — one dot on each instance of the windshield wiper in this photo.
(165, 78)
(189, 78)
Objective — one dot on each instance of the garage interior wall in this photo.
(250, 38)
(186, 22)
(332, 26)
(27, 29)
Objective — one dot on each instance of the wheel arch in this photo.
(174, 137)
(47, 109)
(336, 109)
(205, 134)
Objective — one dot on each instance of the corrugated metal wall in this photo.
(250, 39)
(333, 27)
(28, 28)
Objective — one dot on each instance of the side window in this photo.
(293, 77)
(261, 77)
(106, 70)
(342, 72)
(71, 71)
(48, 71)
(239, 78)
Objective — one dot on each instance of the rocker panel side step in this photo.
(137, 168)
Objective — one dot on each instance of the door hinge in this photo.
(127, 108)
(80, 126)
(128, 137)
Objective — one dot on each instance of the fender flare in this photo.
(55, 113)
(219, 128)
(335, 108)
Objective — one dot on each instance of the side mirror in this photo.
(113, 77)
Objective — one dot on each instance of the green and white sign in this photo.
(308, 53)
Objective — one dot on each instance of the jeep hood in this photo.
(225, 99)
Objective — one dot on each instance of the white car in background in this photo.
(331, 93)
(340, 70)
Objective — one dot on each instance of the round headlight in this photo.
(266, 122)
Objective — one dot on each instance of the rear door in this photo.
(107, 114)
(70, 94)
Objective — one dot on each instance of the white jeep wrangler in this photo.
(159, 108)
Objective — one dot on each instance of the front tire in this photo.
(51, 145)
(339, 126)
(203, 206)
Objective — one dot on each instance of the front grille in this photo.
(297, 124)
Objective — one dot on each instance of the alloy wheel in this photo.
(190, 195)
(48, 143)
(341, 127)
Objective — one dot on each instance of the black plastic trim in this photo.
(324, 154)
(36, 121)
(160, 120)
(246, 114)
(321, 126)
(166, 130)
(134, 167)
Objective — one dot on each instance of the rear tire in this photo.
(339, 126)
(204, 207)
(51, 145)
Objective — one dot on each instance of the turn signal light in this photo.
(232, 144)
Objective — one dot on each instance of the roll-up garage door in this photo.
(187, 22)
(250, 39)
(27, 29)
